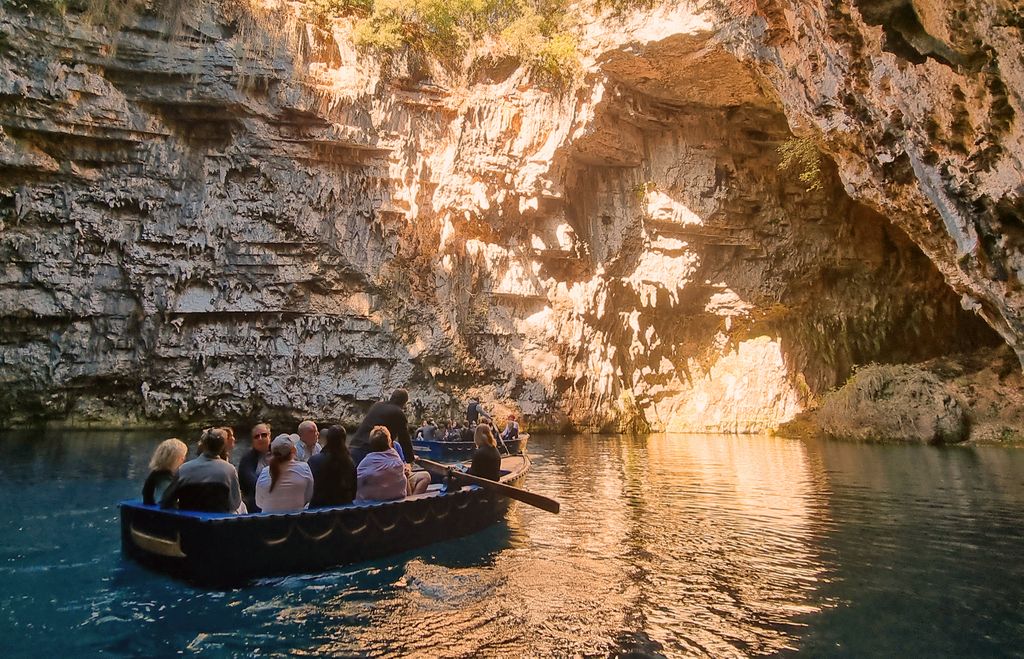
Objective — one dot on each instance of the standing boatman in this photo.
(473, 410)
(389, 413)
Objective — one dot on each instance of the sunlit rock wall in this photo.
(919, 102)
(194, 229)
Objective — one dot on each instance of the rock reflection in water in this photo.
(714, 536)
(687, 544)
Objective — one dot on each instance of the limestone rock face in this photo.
(894, 403)
(192, 230)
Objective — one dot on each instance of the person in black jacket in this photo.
(473, 411)
(390, 414)
(334, 474)
(252, 463)
(486, 459)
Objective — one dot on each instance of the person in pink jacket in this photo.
(382, 475)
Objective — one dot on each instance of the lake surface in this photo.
(674, 545)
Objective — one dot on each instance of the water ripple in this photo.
(666, 546)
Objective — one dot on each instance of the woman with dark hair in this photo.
(334, 474)
(229, 441)
(207, 483)
(285, 485)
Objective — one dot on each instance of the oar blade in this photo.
(527, 497)
(536, 500)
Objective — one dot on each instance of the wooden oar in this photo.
(542, 502)
(502, 440)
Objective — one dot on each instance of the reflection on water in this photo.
(667, 545)
(686, 543)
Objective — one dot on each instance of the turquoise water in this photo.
(667, 545)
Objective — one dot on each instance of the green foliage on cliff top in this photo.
(322, 11)
(537, 37)
(443, 28)
(558, 60)
(536, 32)
(531, 30)
(623, 6)
(800, 154)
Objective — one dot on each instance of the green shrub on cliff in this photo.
(640, 190)
(622, 6)
(558, 60)
(382, 30)
(800, 154)
(322, 11)
(443, 28)
(530, 30)
(526, 34)
(539, 41)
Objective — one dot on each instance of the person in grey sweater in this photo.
(208, 483)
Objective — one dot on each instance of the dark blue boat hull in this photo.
(215, 549)
(456, 451)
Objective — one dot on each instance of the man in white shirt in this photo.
(307, 446)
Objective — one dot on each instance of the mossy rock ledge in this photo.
(894, 403)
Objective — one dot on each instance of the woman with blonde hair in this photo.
(486, 459)
(167, 457)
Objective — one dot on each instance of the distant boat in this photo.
(436, 449)
(219, 549)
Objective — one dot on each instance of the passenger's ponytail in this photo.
(274, 464)
(281, 451)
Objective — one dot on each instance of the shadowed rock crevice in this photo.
(923, 142)
(905, 34)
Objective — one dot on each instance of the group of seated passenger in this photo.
(292, 472)
(457, 432)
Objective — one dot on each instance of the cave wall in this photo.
(194, 231)
(919, 104)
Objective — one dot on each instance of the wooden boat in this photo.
(219, 549)
(436, 449)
